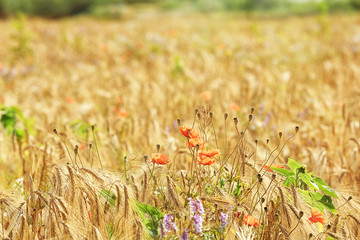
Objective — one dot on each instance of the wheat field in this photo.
(87, 103)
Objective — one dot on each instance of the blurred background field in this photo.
(115, 8)
(134, 77)
(133, 68)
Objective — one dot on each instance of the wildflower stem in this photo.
(216, 141)
(295, 226)
(96, 146)
(67, 149)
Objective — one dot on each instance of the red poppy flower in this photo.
(234, 107)
(189, 132)
(121, 113)
(316, 216)
(70, 100)
(160, 158)
(208, 157)
(194, 141)
(210, 153)
(205, 160)
(251, 221)
(206, 95)
(82, 146)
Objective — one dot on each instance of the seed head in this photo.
(236, 121)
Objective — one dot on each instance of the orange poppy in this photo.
(121, 113)
(82, 146)
(206, 95)
(316, 216)
(251, 221)
(234, 107)
(185, 131)
(70, 100)
(210, 153)
(208, 157)
(266, 167)
(194, 141)
(160, 158)
(205, 160)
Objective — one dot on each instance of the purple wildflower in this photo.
(223, 218)
(168, 224)
(198, 220)
(185, 235)
(196, 206)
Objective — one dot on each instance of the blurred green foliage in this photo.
(47, 8)
(60, 8)
(14, 122)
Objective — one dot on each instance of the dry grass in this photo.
(155, 68)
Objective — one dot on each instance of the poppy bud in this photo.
(236, 121)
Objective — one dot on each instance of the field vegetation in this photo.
(180, 126)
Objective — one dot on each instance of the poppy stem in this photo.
(97, 149)
(67, 149)
(295, 226)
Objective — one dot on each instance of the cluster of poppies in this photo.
(205, 157)
(316, 217)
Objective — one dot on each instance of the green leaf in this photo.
(109, 196)
(151, 210)
(327, 202)
(306, 178)
(110, 229)
(146, 208)
(79, 128)
(283, 172)
(10, 119)
(155, 215)
(317, 200)
(307, 197)
(324, 187)
(294, 165)
(289, 181)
